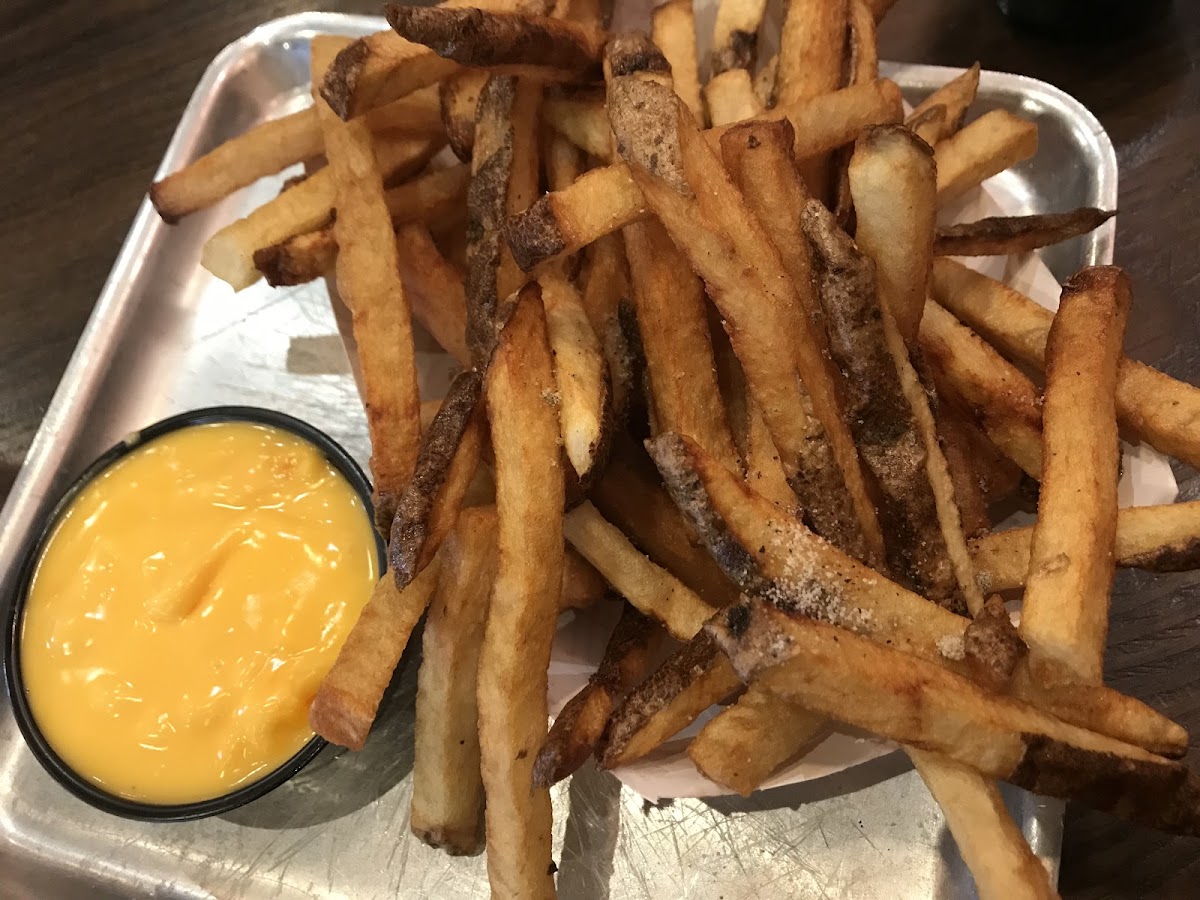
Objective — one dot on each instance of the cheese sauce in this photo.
(186, 607)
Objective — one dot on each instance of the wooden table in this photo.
(90, 93)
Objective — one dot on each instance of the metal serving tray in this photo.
(165, 337)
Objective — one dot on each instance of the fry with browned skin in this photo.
(1156, 408)
(958, 446)
(989, 145)
(929, 124)
(447, 789)
(606, 199)
(1154, 538)
(525, 601)
(911, 700)
(580, 724)
(955, 98)
(735, 35)
(299, 259)
(347, 701)
(605, 280)
(459, 98)
(1000, 235)
(1065, 614)
(673, 30)
(430, 503)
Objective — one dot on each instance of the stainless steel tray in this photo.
(166, 337)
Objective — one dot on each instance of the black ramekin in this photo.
(45, 754)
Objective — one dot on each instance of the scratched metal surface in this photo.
(166, 337)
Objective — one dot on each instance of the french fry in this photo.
(653, 590)
(563, 160)
(1156, 408)
(1065, 614)
(459, 99)
(418, 113)
(958, 446)
(1001, 235)
(436, 290)
(477, 37)
(447, 789)
(368, 281)
(765, 82)
(605, 279)
(525, 601)
(582, 121)
(1007, 404)
(431, 198)
(229, 253)
(381, 67)
(347, 701)
(606, 199)
(726, 243)
(760, 160)
(582, 586)
(1154, 538)
(524, 179)
(430, 503)
(673, 323)
(884, 402)
(929, 125)
(735, 35)
(764, 551)
(911, 700)
(748, 741)
(986, 147)
(579, 726)
(630, 495)
(955, 98)
(863, 63)
(893, 183)
(579, 372)
(673, 30)
(691, 680)
(730, 97)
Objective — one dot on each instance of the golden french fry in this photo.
(1000, 235)
(605, 280)
(1065, 614)
(447, 789)
(525, 602)
(730, 97)
(955, 98)
(673, 30)
(347, 701)
(459, 100)
(606, 199)
(1154, 538)
(582, 121)
(929, 124)
(1156, 408)
(986, 147)
(435, 290)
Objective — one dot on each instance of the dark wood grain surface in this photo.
(90, 93)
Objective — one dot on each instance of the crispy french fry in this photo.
(1007, 404)
(447, 789)
(459, 99)
(579, 373)
(605, 279)
(347, 701)
(673, 323)
(368, 280)
(477, 37)
(579, 726)
(893, 183)
(911, 700)
(673, 30)
(582, 121)
(691, 680)
(630, 495)
(525, 601)
(431, 198)
(1065, 614)
(764, 550)
(1154, 538)
(430, 503)
(229, 253)
(955, 98)
(929, 125)
(989, 145)
(882, 388)
(435, 290)
(653, 590)
(525, 172)
(748, 741)
(760, 161)
(1156, 408)
(1001, 235)
(606, 199)
(730, 97)
(735, 35)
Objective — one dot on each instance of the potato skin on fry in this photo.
(1001, 235)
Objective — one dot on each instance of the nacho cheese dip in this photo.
(186, 606)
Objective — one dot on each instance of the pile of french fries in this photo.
(718, 366)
